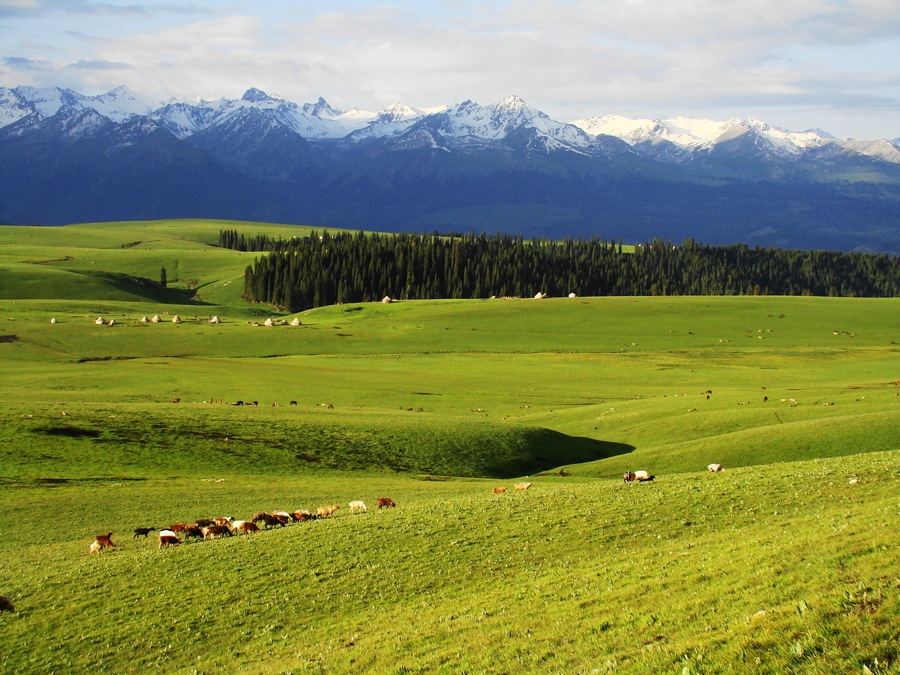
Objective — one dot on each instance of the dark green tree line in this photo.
(323, 269)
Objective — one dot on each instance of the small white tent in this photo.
(155, 318)
(269, 322)
(296, 322)
(144, 319)
(100, 321)
(387, 300)
(215, 319)
(176, 319)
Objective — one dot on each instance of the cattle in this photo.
(385, 502)
(326, 511)
(6, 604)
(357, 506)
(499, 490)
(713, 468)
(522, 486)
(143, 532)
(104, 540)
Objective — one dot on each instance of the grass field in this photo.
(785, 563)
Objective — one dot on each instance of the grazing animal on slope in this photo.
(325, 511)
(143, 532)
(95, 547)
(168, 538)
(384, 502)
(357, 506)
(499, 490)
(522, 486)
(104, 540)
(6, 604)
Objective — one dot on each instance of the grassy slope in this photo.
(594, 576)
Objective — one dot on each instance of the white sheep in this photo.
(357, 505)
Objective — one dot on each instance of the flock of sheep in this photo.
(216, 528)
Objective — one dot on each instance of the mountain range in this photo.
(66, 157)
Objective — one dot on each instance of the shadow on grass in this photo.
(546, 450)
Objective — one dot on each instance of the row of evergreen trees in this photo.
(324, 269)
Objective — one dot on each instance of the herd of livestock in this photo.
(216, 528)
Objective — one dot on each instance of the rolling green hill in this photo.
(783, 563)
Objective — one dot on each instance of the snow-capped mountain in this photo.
(507, 166)
(459, 125)
(118, 105)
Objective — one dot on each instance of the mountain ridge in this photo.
(506, 167)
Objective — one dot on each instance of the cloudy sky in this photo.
(798, 64)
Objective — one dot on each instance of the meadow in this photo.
(784, 563)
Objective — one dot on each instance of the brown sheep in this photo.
(6, 604)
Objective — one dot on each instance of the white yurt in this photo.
(155, 318)
(387, 300)
(215, 319)
(144, 319)
(269, 322)
(540, 296)
(112, 322)
(572, 295)
(176, 319)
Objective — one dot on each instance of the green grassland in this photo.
(786, 562)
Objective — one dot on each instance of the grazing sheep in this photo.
(357, 506)
(326, 511)
(269, 520)
(104, 540)
(143, 532)
(217, 532)
(205, 522)
(385, 502)
(283, 516)
(499, 490)
(223, 521)
(522, 486)
(168, 538)
(195, 532)
(247, 527)
(6, 604)
(95, 547)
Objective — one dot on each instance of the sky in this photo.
(796, 64)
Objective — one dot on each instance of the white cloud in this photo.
(572, 58)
